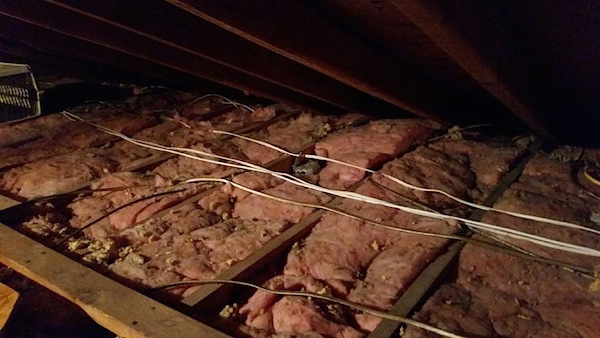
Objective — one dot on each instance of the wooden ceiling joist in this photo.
(214, 44)
(126, 312)
(300, 33)
(44, 14)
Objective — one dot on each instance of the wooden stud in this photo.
(211, 296)
(7, 202)
(41, 46)
(268, 252)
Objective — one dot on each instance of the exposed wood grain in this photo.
(475, 36)
(8, 299)
(104, 302)
(298, 32)
(114, 306)
(217, 45)
(44, 14)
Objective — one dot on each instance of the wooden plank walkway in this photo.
(125, 312)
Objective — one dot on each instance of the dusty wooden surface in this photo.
(7, 202)
(8, 299)
(112, 305)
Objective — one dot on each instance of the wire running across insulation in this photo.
(225, 100)
(414, 187)
(542, 241)
(100, 218)
(310, 295)
(249, 166)
(511, 251)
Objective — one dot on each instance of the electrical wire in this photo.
(414, 187)
(310, 295)
(249, 166)
(196, 98)
(511, 250)
(542, 241)
(225, 101)
(78, 231)
(589, 177)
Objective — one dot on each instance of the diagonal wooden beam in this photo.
(183, 31)
(60, 20)
(299, 32)
(46, 48)
(474, 35)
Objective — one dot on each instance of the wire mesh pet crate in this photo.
(19, 96)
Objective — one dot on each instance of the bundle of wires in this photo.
(476, 225)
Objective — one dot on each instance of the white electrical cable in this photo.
(413, 187)
(352, 195)
(390, 227)
(226, 101)
(310, 295)
(196, 98)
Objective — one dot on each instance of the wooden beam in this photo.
(296, 31)
(7, 202)
(475, 36)
(54, 50)
(8, 299)
(46, 63)
(432, 275)
(114, 306)
(181, 30)
(44, 14)
(215, 295)
(268, 253)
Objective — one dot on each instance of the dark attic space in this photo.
(334, 169)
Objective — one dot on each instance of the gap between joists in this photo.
(297, 77)
(434, 272)
(112, 305)
(154, 160)
(110, 316)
